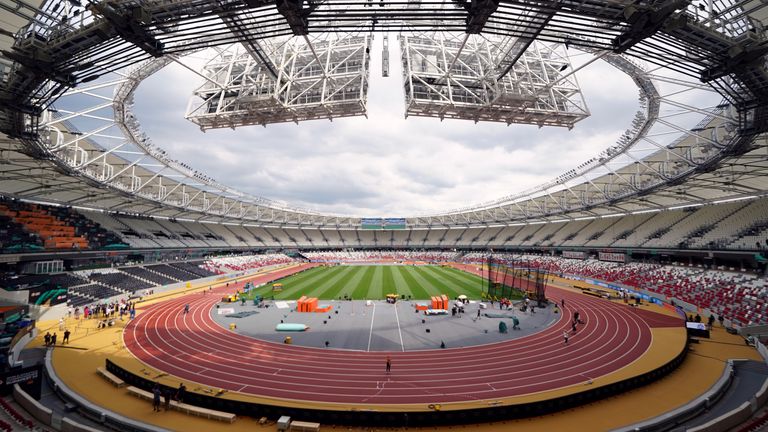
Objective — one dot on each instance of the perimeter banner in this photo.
(30, 380)
(612, 256)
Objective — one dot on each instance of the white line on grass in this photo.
(402, 346)
(370, 335)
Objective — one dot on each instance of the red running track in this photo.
(195, 348)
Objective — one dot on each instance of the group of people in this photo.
(457, 310)
(50, 339)
(574, 323)
(528, 305)
(105, 310)
(167, 394)
(710, 320)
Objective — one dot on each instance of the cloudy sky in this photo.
(385, 165)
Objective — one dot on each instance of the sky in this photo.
(385, 165)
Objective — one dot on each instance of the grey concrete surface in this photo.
(381, 326)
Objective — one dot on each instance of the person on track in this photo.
(389, 364)
(66, 337)
(565, 336)
(186, 308)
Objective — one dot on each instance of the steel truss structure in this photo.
(325, 77)
(452, 75)
(68, 76)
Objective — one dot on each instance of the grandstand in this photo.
(675, 210)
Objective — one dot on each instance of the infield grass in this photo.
(373, 282)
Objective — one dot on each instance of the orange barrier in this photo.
(307, 304)
(311, 304)
(444, 299)
(436, 302)
(325, 309)
(421, 307)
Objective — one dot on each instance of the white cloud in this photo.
(385, 165)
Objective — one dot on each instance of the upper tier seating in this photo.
(229, 264)
(56, 227)
(373, 256)
(733, 225)
(13, 237)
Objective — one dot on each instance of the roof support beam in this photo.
(644, 21)
(297, 16)
(129, 26)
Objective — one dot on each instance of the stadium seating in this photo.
(379, 256)
(194, 268)
(735, 225)
(117, 279)
(723, 233)
(54, 227)
(739, 296)
(65, 280)
(148, 275)
(76, 299)
(89, 293)
(653, 224)
(230, 264)
(167, 270)
(13, 237)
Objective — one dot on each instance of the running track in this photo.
(194, 348)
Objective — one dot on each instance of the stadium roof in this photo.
(93, 154)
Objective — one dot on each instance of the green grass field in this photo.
(376, 281)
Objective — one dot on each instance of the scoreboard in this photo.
(383, 223)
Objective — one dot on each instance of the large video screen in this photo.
(383, 223)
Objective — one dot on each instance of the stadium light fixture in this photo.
(91, 209)
(685, 206)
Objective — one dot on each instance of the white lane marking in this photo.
(400, 332)
(370, 335)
